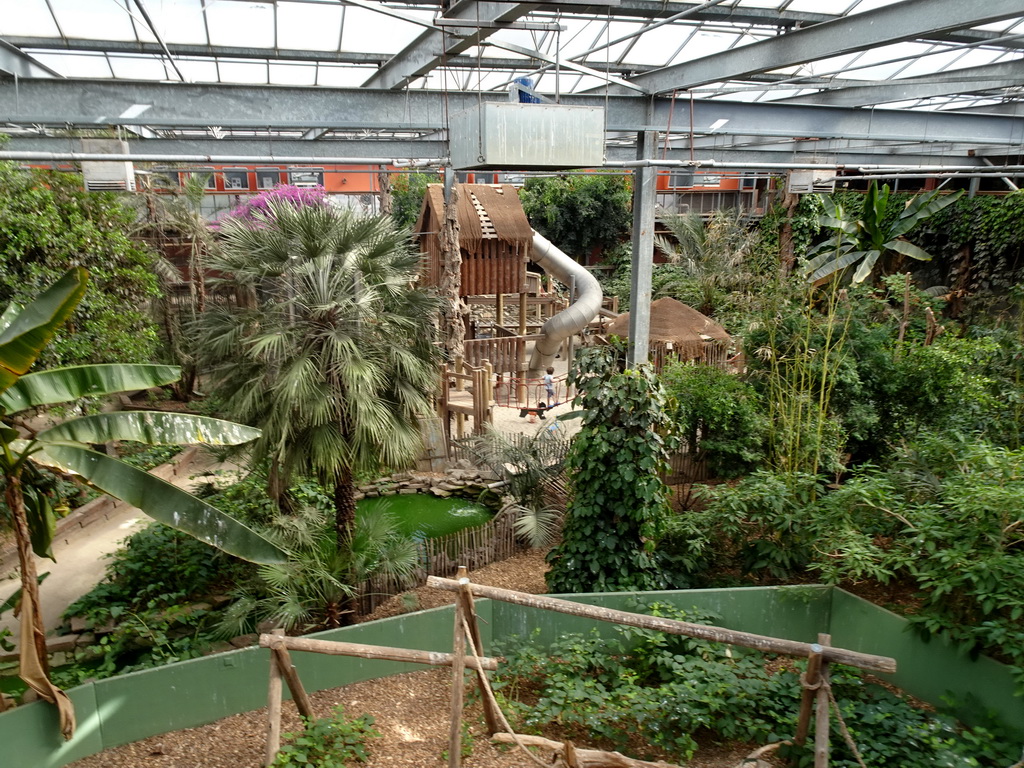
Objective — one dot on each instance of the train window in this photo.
(678, 179)
(306, 177)
(267, 178)
(236, 179)
(205, 175)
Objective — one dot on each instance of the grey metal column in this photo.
(643, 250)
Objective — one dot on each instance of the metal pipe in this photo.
(145, 157)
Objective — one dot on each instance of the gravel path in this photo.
(411, 710)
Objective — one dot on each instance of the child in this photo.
(549, 385)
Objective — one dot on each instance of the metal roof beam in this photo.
(17, 63)
(91, 103)
(970, 80)
(894, 23)
(313, 152)
(428, 51)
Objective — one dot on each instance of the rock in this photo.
(359, 496)
(28, 696)
(264, 627)
(463, 464)
(218, 647)
(372, 494)
(440, 493)
(407, 491)
(86, 639)
(79, 624)
(218, 600)
(244, 641)
(61, 643)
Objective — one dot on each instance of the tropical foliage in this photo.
(328, 349)
(580, 214)
(868, 236)
(24, 333)
(47, 224)
(618, 501)
(673, 692)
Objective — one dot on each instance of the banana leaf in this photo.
(35, 325)
(152, 427)
(909, 249)
(166, 503)
(62, 385)
(42, 523)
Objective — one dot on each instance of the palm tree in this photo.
(24, 333)
(328, 348)
(712, 253)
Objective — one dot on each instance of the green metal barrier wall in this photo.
(123, 709)
(980, 689)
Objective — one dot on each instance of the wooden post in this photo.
(458, 683)
(821, 712)
(522, 312)
(810, 680)
(499, 310)
(273, 709)
(465, 598)
(291, 676)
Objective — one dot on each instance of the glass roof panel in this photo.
(33, 18)
(309, 27)
(77, 64)
(199, 70)
(140, 68)
(292, 73)
(179, 21)
(243, 72)
(369, 31)
(108, 20)
(233, 24)
(334, 76)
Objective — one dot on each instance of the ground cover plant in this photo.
(660, 696)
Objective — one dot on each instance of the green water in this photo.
(425, 516)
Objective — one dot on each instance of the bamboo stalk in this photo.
(764, 643)
(334, 648)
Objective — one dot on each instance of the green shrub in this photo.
(718, 416)
(670, 690)
(329, 742)
(48, 223)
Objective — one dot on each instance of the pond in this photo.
(423, 516)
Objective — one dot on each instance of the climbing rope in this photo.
(842, 723)
(493, 701)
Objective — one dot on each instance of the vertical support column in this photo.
(273, 710)
(821, 712)
(643, 250)
(458, 681)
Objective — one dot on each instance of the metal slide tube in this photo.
(574, 318)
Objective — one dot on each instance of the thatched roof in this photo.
(684, 326)
(500, 212)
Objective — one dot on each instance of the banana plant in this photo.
(24, 332)
(868, 236)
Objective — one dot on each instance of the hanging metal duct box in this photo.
(116, 174)
(514, 136)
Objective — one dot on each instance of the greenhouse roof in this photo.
(725, 79)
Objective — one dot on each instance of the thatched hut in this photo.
(679, 332)
(494, 237)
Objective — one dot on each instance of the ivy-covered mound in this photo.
(654, 695)
(619, 502)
